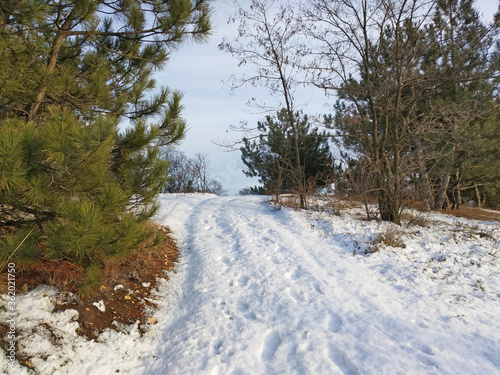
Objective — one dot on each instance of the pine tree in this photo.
(73, 73)
(459, 105)
(411, 87)
(271, 156)
(371, 67)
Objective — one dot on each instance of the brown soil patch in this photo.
(125, 294)
(474, 213)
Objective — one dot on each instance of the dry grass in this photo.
(331, 204)
(464, 211)
(368, 198)
(286, 200)
(415, 218)
(290, 200)
(474, 213)
(338, 206)
(391, 237)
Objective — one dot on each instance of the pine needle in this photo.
(17, 248)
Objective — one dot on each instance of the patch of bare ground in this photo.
(467, 212)
(474, 213)
(124, 298)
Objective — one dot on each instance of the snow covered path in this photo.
(265, 293)
(266, 304)
(260, 291)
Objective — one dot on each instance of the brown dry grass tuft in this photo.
(415, 218)
(474, 213)
(338, 206)
(290, 200)
(391, 237)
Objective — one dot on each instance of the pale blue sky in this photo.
(198, 70)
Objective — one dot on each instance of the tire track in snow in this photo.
(260, 293)
(266, 250)
(274, 238)
(238, 269)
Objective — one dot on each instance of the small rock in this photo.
(152, 320)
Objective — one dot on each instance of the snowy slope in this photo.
(266, 291)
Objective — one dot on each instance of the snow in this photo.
(260, 290)
(100, 305)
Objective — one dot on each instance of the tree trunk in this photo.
(457, 193)
(56, 47)
(279, 183)
(428, 198)
(388, 200)
(479, 202)
(389, 207)
(443, 188)
(303, 202)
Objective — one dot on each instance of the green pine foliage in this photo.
(93, 279)
(272, 155)
(464, 133)
(66, 184)
(81, 123)
(419, 118)
(480, 177)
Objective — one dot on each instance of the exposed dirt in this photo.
(123, 299)
(474, 213)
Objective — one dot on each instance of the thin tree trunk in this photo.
(457, 196)
(443, 188)
(445, 182)
(56, 48)
(479, 202)
(424, 178)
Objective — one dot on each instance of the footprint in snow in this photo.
(427, 360)
(340, 359)
(271, 344)
(426, 349)
(226, 261)
(243, 280)
(334, 322)
(267, 240)
(274, 260)
(203, 363)
(295, 274)
(250, 316)
(298, 296)
(217, 347)
(317, 287)
(242, 306)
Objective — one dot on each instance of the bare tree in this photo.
(367, 52)
(189, 175)
(268, 42)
